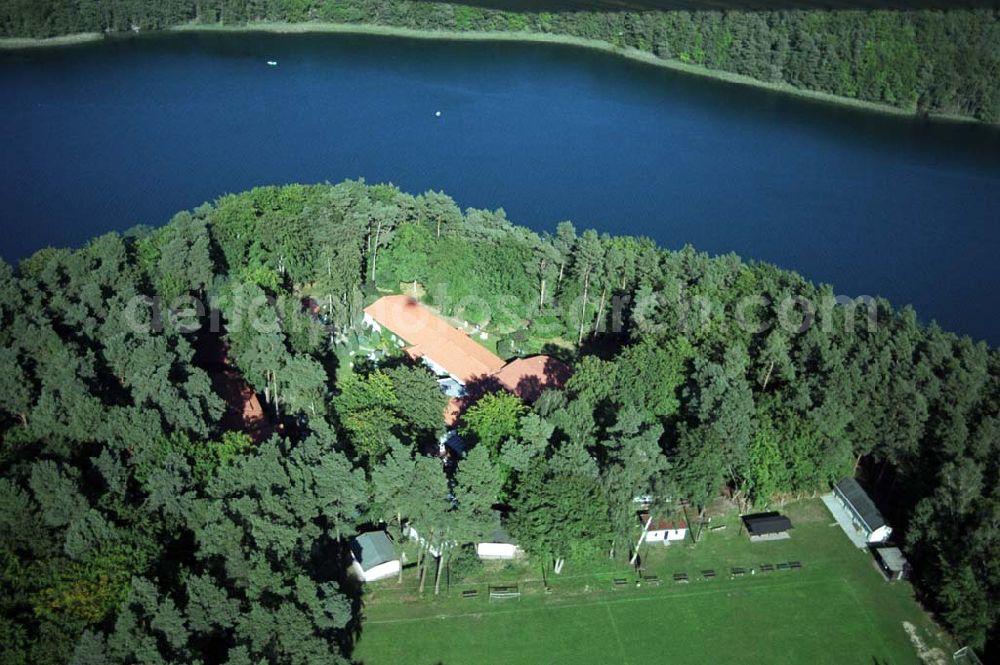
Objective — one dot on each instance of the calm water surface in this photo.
(104, 136)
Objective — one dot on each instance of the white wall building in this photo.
(499, 545)
(370, 321)
(663, 531)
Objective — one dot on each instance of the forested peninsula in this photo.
(195, 418)
(926, 61)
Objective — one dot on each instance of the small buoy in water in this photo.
(272, 63)
(437, 114)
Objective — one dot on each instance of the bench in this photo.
(795, 564)
(783, 566)
(681, 577)
(766, 568)
(470, 593)
(504, 592)
(738, 572)
(708, 574)
(620, 581)
(651, 579)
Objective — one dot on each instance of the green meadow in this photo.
(836, 608)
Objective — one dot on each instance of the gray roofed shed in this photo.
(372, 549)
(892, 562)
(893, 557)
(860, 503)
(762, 524)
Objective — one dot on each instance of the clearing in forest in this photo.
(835, 608)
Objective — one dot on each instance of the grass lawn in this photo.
(835, 609)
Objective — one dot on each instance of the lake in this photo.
(104, 136)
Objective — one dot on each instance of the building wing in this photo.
(433, 339)
(859, 503)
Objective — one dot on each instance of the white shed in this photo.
(499, 545)
(497, 550)
(660, 530)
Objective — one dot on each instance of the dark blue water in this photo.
(109, 135)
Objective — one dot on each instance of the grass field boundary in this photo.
(609, 601)
(599, 576)
(865, 610)
(617, 633)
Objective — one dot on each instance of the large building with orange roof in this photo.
(450, 352)
(446, 349)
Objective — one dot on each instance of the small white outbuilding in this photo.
(499, 545)
(660, 530)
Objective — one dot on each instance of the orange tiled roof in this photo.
(429, 335)
(527, 377)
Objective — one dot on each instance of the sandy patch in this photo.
(926, 654)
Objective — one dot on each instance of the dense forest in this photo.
(142, 520)
(925, 61)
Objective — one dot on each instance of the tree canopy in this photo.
(177, 487)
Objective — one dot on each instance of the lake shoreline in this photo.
(504, 36)
(14, 43)
(567, 40)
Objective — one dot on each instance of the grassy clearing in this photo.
(836, 609)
